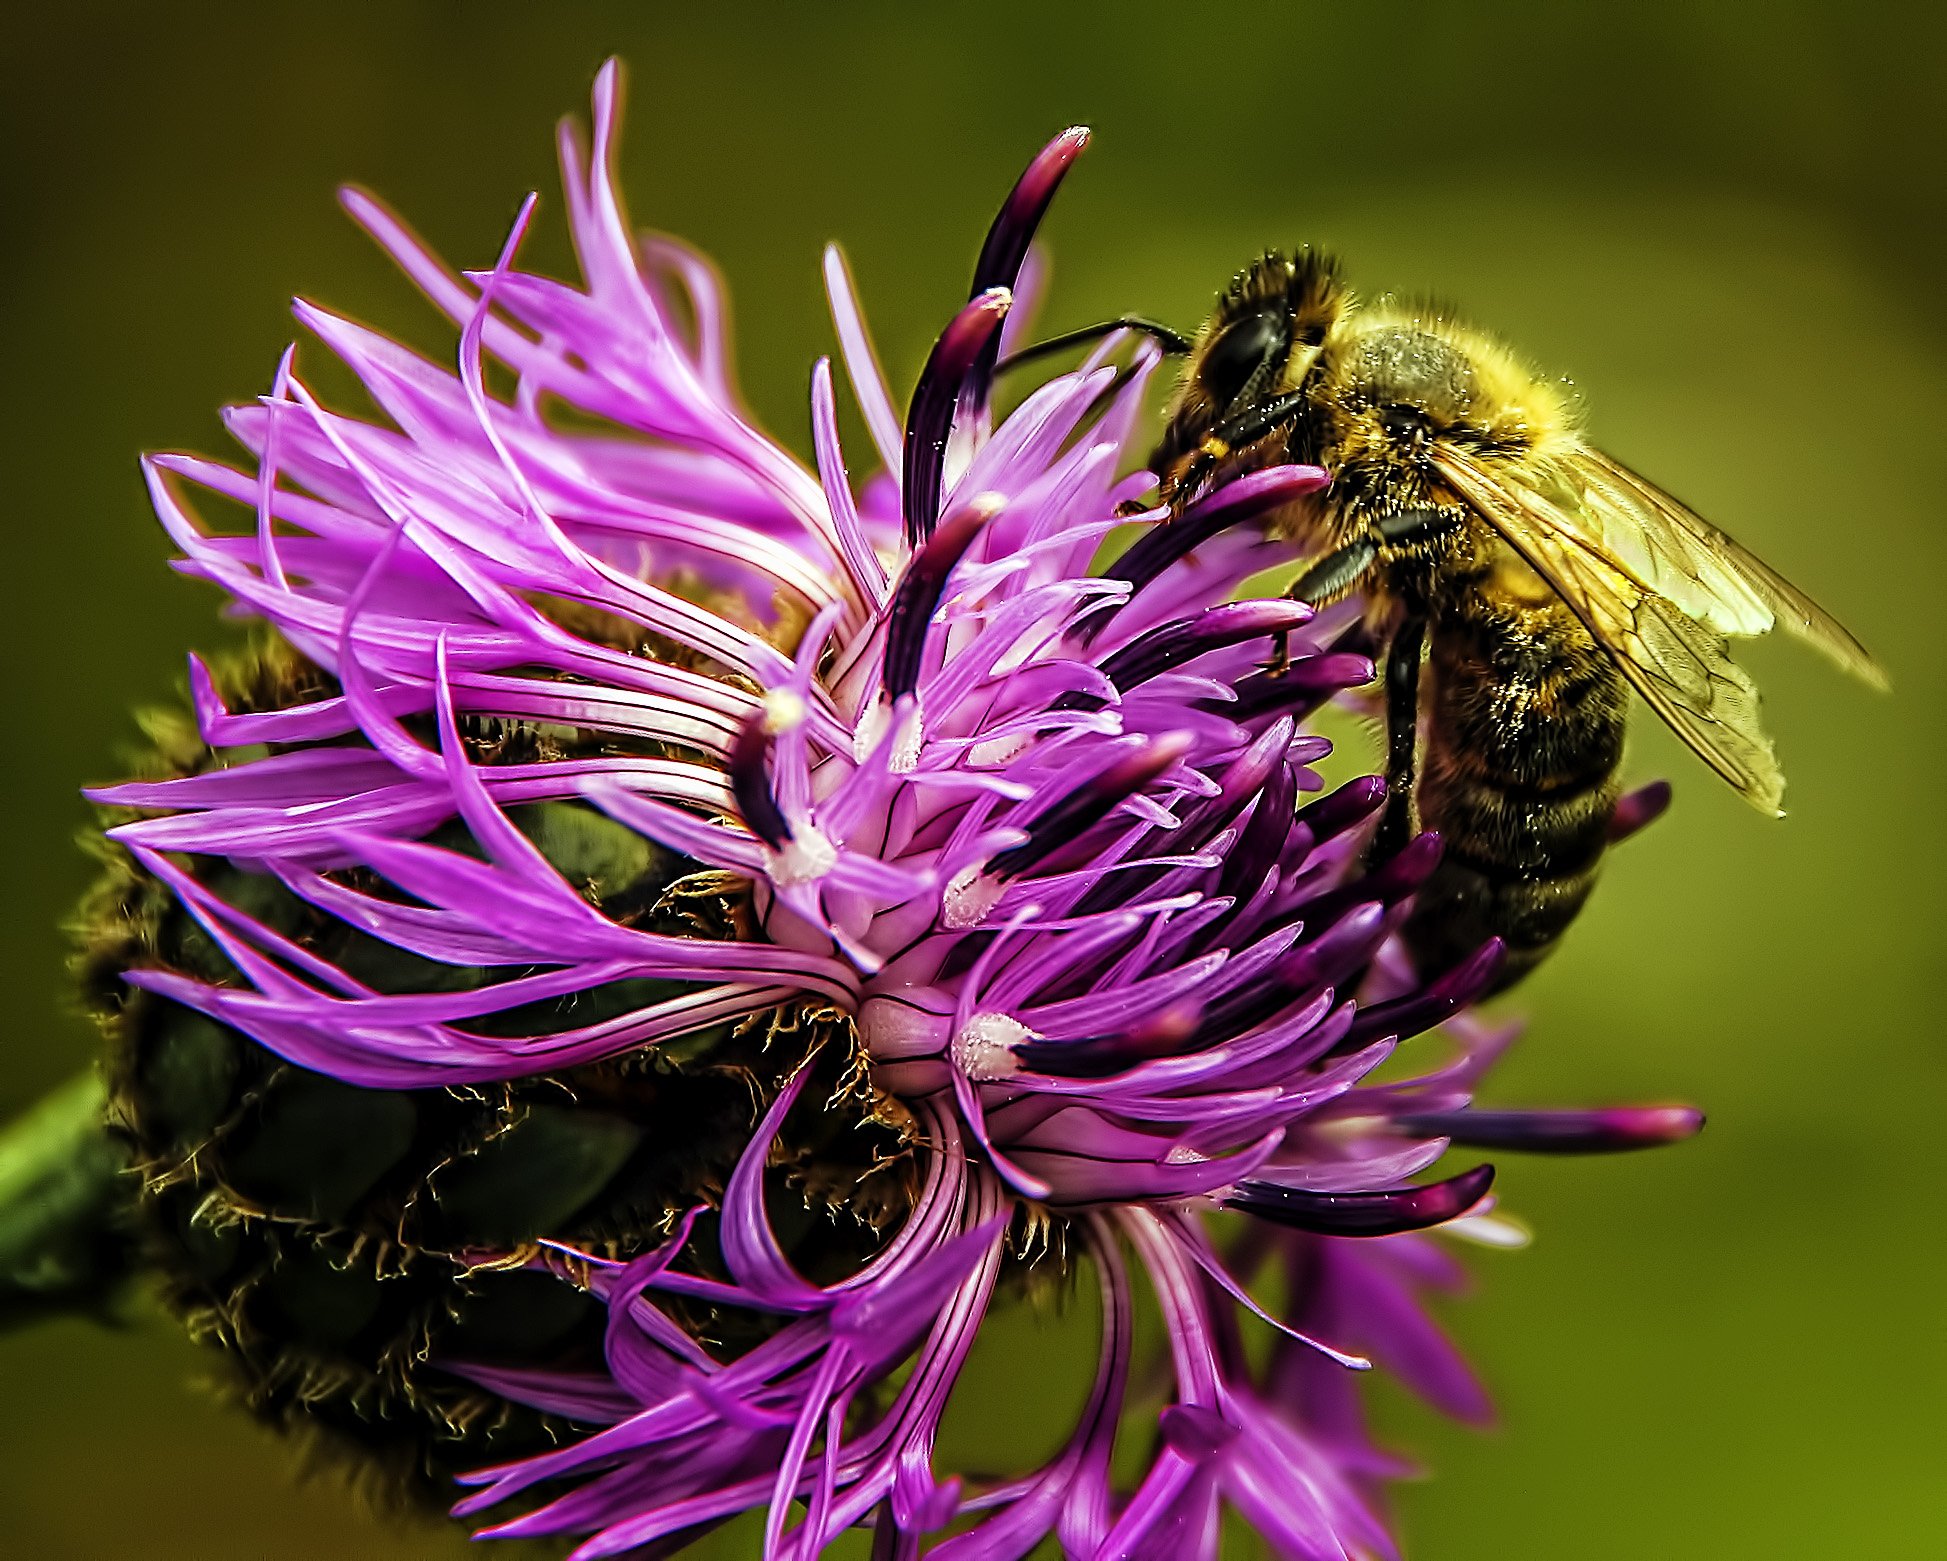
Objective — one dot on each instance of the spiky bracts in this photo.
(340, 1242)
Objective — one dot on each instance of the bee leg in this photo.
(1402, 737)
(1233, 433)
(1415, 525)
(1173, 343)
(1336, 573)
(1333, 575)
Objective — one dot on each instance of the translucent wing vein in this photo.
(1669, 644)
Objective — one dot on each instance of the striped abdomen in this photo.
(1524, 734)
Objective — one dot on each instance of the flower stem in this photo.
(64, 1245)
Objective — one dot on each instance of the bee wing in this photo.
(1680, 555)
(1676, 660)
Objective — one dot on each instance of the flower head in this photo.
(1005, 815)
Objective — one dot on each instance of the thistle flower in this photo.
(976, 844)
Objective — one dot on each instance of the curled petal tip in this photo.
(750, 785)
(1434, 1004)
(1389, 1213)
(1014, 226)
(959, 363)
(1338, 811)
(1637, 810)
(1367, 791)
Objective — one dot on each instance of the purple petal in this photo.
(1365, 1213)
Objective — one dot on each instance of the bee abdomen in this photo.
(1524, 740)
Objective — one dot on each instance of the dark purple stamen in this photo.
(1432, 1004)
(1251, 496)
(1170, 1034)
(1389, 883)
(951, 370)
(1249, 862)
(1169, 645)
(1195, 1433)
(1235, 1016)
(1347, 945)
(1560, 1132)
(885, 1534)
(1260, 765)
(1296, 690)
(1071, 817)
(1348, 807)
(1013, 231)
(750, 784)
(1641, 807)
(1007, 240)
(919, 593)
(1364, 1213)
(1344, 947)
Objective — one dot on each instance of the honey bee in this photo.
(1520, 580)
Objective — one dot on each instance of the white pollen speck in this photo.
(806, 856)
(871, 731)
(996, 751)
(871, 727)
(905, 744)
(968, 897)
(987, 503)
(984, 1049)
(784, 711)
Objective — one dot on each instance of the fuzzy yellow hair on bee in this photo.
(1520, 581)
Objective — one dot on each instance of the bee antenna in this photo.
(1174, 343)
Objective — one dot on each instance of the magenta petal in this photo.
(962, 351)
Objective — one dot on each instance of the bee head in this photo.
(1400, 385)
(1267, 329)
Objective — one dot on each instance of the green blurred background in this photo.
(1724, 222)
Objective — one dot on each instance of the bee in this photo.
(1520, 581)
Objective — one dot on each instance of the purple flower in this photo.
(1040, 830)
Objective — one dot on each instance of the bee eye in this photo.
(1244, 356)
